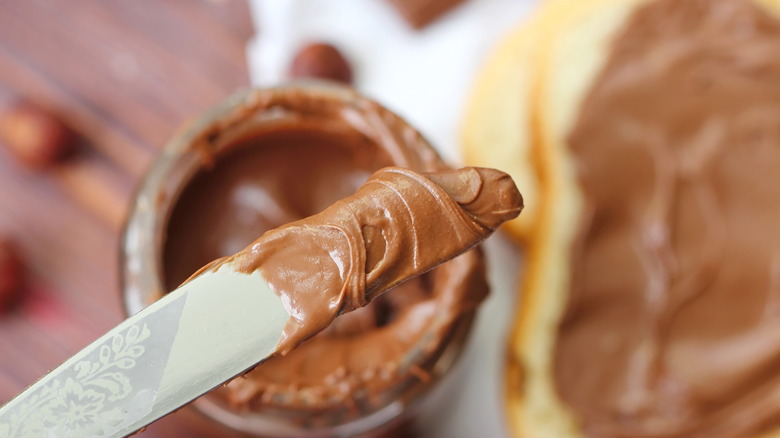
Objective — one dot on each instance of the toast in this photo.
(555, 60)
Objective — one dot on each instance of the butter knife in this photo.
(195, 338)
(227, 318)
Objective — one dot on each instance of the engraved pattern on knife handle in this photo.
(103, 389)
(166, 355)
(79, 402)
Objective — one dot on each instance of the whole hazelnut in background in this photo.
(33, 135)
(12, 274)
(321, 60)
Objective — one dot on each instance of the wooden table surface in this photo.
(125, 74)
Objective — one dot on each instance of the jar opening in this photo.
(263, 159)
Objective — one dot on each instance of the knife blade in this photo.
(143, 368)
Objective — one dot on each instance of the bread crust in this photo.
(496, 131)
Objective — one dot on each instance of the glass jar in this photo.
(441, 339)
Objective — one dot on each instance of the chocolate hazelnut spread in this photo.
(287, 171)
(672, 326)
(398, 225)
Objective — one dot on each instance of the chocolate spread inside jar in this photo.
(672, 326)
(278, 169)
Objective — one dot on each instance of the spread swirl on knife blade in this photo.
(265, 300)
(399, 224)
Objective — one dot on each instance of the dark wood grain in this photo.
(125, 75)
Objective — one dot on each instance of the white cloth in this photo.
(426, 77)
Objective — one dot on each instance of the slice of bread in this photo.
(575, 49)
(572, 46)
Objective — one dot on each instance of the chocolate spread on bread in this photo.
(672, 327)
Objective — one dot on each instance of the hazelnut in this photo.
(11, 274)
(320, 60)
(33, 135)
(422, 13)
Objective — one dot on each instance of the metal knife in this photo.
(143, 368)
(224, 321)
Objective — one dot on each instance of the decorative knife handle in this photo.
(211, 329)
(93, 393)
